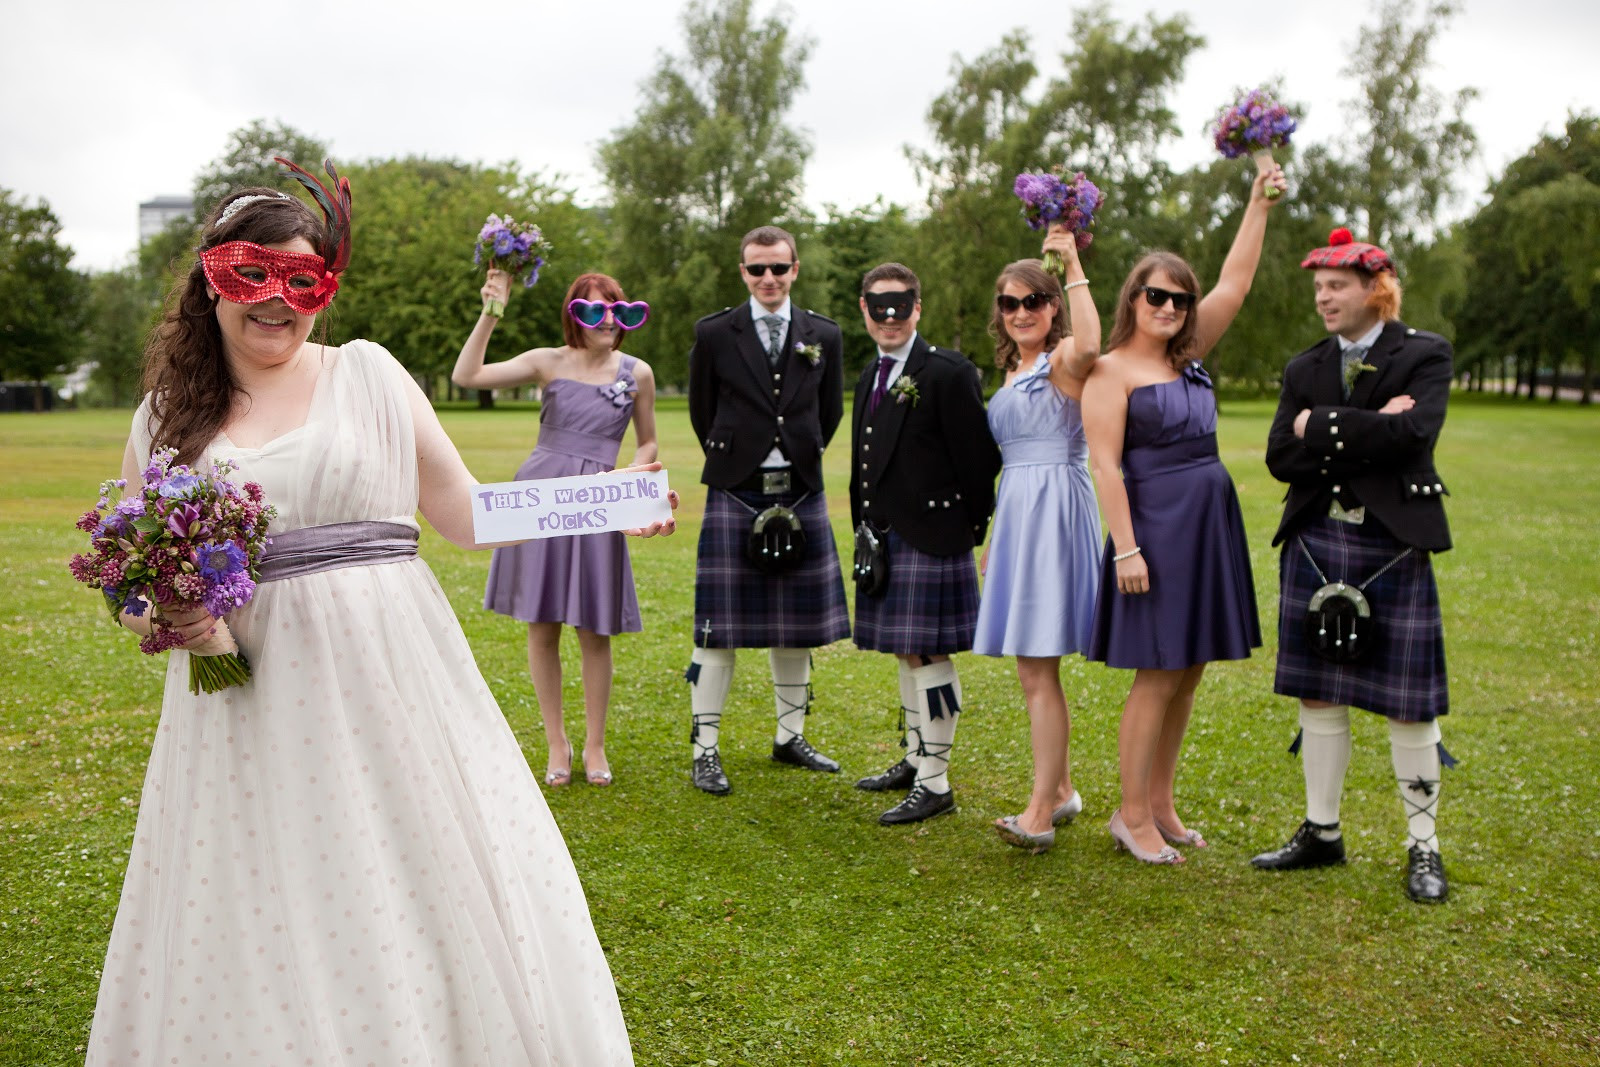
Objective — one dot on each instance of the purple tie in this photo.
(885, 368)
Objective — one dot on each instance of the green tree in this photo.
(1108, 115)
(248, 161)
(412, 285)
(1408, 141)
(120, 313)
(41, 296)
(1531, 252)
(708, 157)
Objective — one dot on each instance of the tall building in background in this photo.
(155, 214)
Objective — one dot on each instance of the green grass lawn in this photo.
(783, 925)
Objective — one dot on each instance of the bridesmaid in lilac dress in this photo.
(591, 392)
(1176, 590)
(1041, 566)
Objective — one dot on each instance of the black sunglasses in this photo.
(1033, 302)
(756, 270)
(1181, 301)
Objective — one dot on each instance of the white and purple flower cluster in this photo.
(1256, 122)
(1047, 199)
(513, 247)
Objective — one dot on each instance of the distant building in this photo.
(155, 214)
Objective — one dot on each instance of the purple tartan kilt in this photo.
(1404, 677)
(929, 608)
(746, 608)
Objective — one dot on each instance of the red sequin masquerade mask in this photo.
(246, 273)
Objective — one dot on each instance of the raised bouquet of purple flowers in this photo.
(514, 247)
(183, 540)
(1048, 198)
(1256, 124)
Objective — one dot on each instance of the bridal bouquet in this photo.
(514, 247)
(1047, 198)
(181, 540)
(1256, 124)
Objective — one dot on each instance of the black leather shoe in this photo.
(708, 777)
(1304, 850)
(921, 803)
(899, 776)
(1425, 882)
(797, 752)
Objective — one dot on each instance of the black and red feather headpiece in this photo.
(335, 204)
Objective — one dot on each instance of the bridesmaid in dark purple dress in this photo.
(591, 392)
(1176, 590)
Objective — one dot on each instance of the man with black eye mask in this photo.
(922, 471)
(765, 396)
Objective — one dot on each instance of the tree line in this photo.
(711, 152)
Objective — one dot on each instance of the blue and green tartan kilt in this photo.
(739, 606)
(930, 606)
(1404, 676)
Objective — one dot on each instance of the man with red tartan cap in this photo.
(1359, 620)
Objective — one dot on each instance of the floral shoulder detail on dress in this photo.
(1195, 371)
(1036, 379)
(621, 391)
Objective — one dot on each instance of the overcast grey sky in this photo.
(107, 103)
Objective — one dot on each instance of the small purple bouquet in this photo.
(184, 540)
(513, 247)
(1256, 124)
(1047, 199)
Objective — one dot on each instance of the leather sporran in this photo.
(1339, 625)
(777, 541)
(871, 561)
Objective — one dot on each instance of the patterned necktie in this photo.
(1351, 357)
(881, 390)
(774, 337)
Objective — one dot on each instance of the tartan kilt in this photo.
(1404, 676)
(739, 606)
(929, 608)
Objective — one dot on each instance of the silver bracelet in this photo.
(1074, 285)
(1120, 556)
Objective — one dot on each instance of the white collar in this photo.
(757, 311)
(1369, 338)
(899, 354)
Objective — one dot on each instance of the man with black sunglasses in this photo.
(922, 471)
(765, 396)
(1360, 622)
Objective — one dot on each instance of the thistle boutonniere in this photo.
(812, 351)
(905, 388)
(1352, 371)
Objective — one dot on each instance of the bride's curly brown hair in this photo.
(191, 389)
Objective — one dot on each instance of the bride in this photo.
(345, 860)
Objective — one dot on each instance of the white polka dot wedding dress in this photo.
(347, 860)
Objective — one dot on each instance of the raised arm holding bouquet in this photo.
(1256, 125)
(1050, 200)
(518, 248)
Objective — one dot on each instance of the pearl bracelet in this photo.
(1074, 285)
(1120, 556)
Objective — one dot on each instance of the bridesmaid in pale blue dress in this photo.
(1041, 564)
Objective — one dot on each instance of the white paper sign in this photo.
(562, 507)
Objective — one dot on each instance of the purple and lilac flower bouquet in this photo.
(1256, 124)
(183, 540)
(1047, 199)
(513, 247)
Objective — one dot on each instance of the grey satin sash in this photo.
(313, 549)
